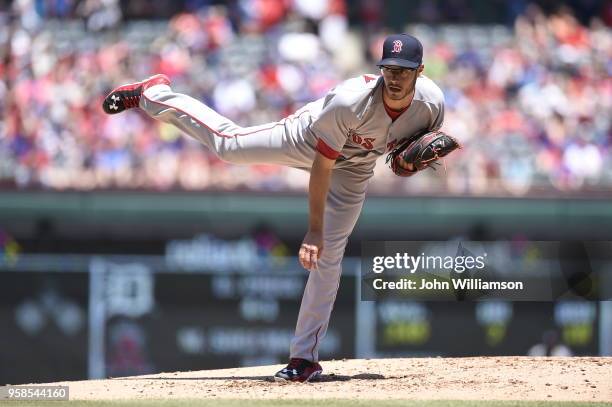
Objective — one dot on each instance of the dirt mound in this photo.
(481, 378)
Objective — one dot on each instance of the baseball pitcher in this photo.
(338, 138)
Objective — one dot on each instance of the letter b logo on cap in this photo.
(397, 46)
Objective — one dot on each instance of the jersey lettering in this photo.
(365, 142)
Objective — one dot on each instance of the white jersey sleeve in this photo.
(332, 126)
(434, 99)
(439, 119)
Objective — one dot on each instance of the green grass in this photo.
(303, 403)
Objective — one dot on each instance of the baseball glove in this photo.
(421, 151)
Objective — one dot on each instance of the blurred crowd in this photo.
(531, 102)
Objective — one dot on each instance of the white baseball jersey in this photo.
(352, 125)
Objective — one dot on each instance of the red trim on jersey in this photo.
(326, 150)
(394, 114)
(217, 133)
(315, 344)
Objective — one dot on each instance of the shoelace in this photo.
(432, 161)
(131, 101)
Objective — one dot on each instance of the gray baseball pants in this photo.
(282, 143)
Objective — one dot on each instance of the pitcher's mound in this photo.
(479, 378)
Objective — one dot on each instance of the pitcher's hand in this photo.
(311, 249)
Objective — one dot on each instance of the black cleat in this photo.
(299, 370)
